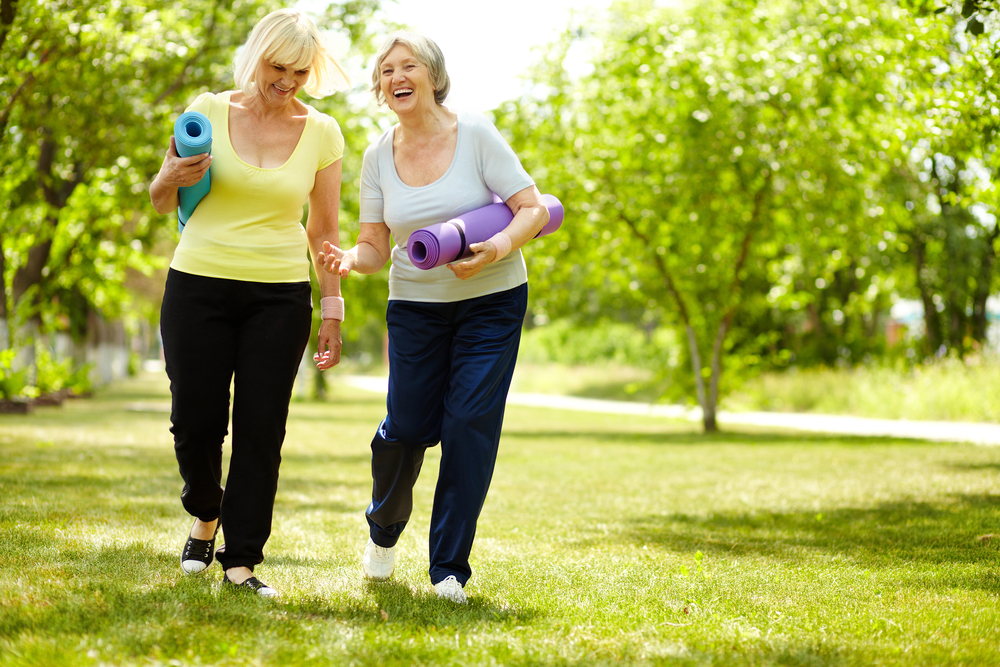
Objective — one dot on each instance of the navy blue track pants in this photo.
(450, 367)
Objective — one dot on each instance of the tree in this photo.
(951, 163)
(89, 87)
(708, 156)
(88, 93)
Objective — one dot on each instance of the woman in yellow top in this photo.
(237, 306)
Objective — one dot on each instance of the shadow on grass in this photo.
(882, 536)
(975, 467)
(420, 608)
(124, 593)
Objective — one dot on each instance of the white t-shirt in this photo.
(483, 164)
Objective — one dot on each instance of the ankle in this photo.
(203, 530)
(238, 575)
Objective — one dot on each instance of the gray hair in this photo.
(426, 51)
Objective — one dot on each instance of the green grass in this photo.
(947, 390)
(603, 541)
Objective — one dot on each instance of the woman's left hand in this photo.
(328, 349)
(483, 254)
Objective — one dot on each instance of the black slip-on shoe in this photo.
(253, 585)
(197, 554)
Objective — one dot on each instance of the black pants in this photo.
(216, 332)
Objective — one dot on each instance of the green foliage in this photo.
(716, 166)
(13, 383)
(564, 342)
(89, 92)
(940, 196)
(51, 375)
(767, 177)
(90, 87)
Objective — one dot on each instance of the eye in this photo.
(278, 67)
(302, 71)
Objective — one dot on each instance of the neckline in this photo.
(451, 166)
(232, 149)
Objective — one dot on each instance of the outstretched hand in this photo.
(336, 260)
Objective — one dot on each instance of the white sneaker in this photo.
(450, 589)
(378, 562)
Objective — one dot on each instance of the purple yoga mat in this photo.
(449, 241)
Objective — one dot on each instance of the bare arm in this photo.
(530, 215)
(368, 256)
(176, 172)
(322, 225)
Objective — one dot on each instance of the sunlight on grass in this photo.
(604, 541)
(948, 390)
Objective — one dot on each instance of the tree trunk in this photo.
(31, 273)
(980, 321)
(932, 322)
(713, 394)
(3, 284)
(8, 10)
(4, 330)
(707, 411)
(57, 193)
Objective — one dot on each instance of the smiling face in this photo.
(278, 84)
(405, 81)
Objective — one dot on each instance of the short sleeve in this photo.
(202, 103)
(371, 205)
(331, 142)
(499, 165)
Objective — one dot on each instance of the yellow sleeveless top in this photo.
(249, 225)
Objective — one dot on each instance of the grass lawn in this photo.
(604, 540)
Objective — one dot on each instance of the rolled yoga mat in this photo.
(192, 135)
(449, 241)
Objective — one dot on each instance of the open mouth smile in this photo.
(402, 92)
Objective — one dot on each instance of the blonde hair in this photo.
(288, 37)
(426, 51)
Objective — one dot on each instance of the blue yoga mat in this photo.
(192, 135)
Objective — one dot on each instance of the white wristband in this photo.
(502, 243)
(333, 307)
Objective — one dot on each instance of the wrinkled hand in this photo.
(335, 260)
(329, 345)
(483, 254)
(183, 172)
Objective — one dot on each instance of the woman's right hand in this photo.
(182, 172)
(336, 260)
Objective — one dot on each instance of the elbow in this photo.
(318, 231)
(542, 214)
(159, 207)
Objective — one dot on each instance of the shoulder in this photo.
(475, 121)
(382, 143)
(321, 118)
(207, 101)
(480, 128)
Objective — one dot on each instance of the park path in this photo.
(977, 433)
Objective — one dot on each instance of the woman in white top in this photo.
(453, 330)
